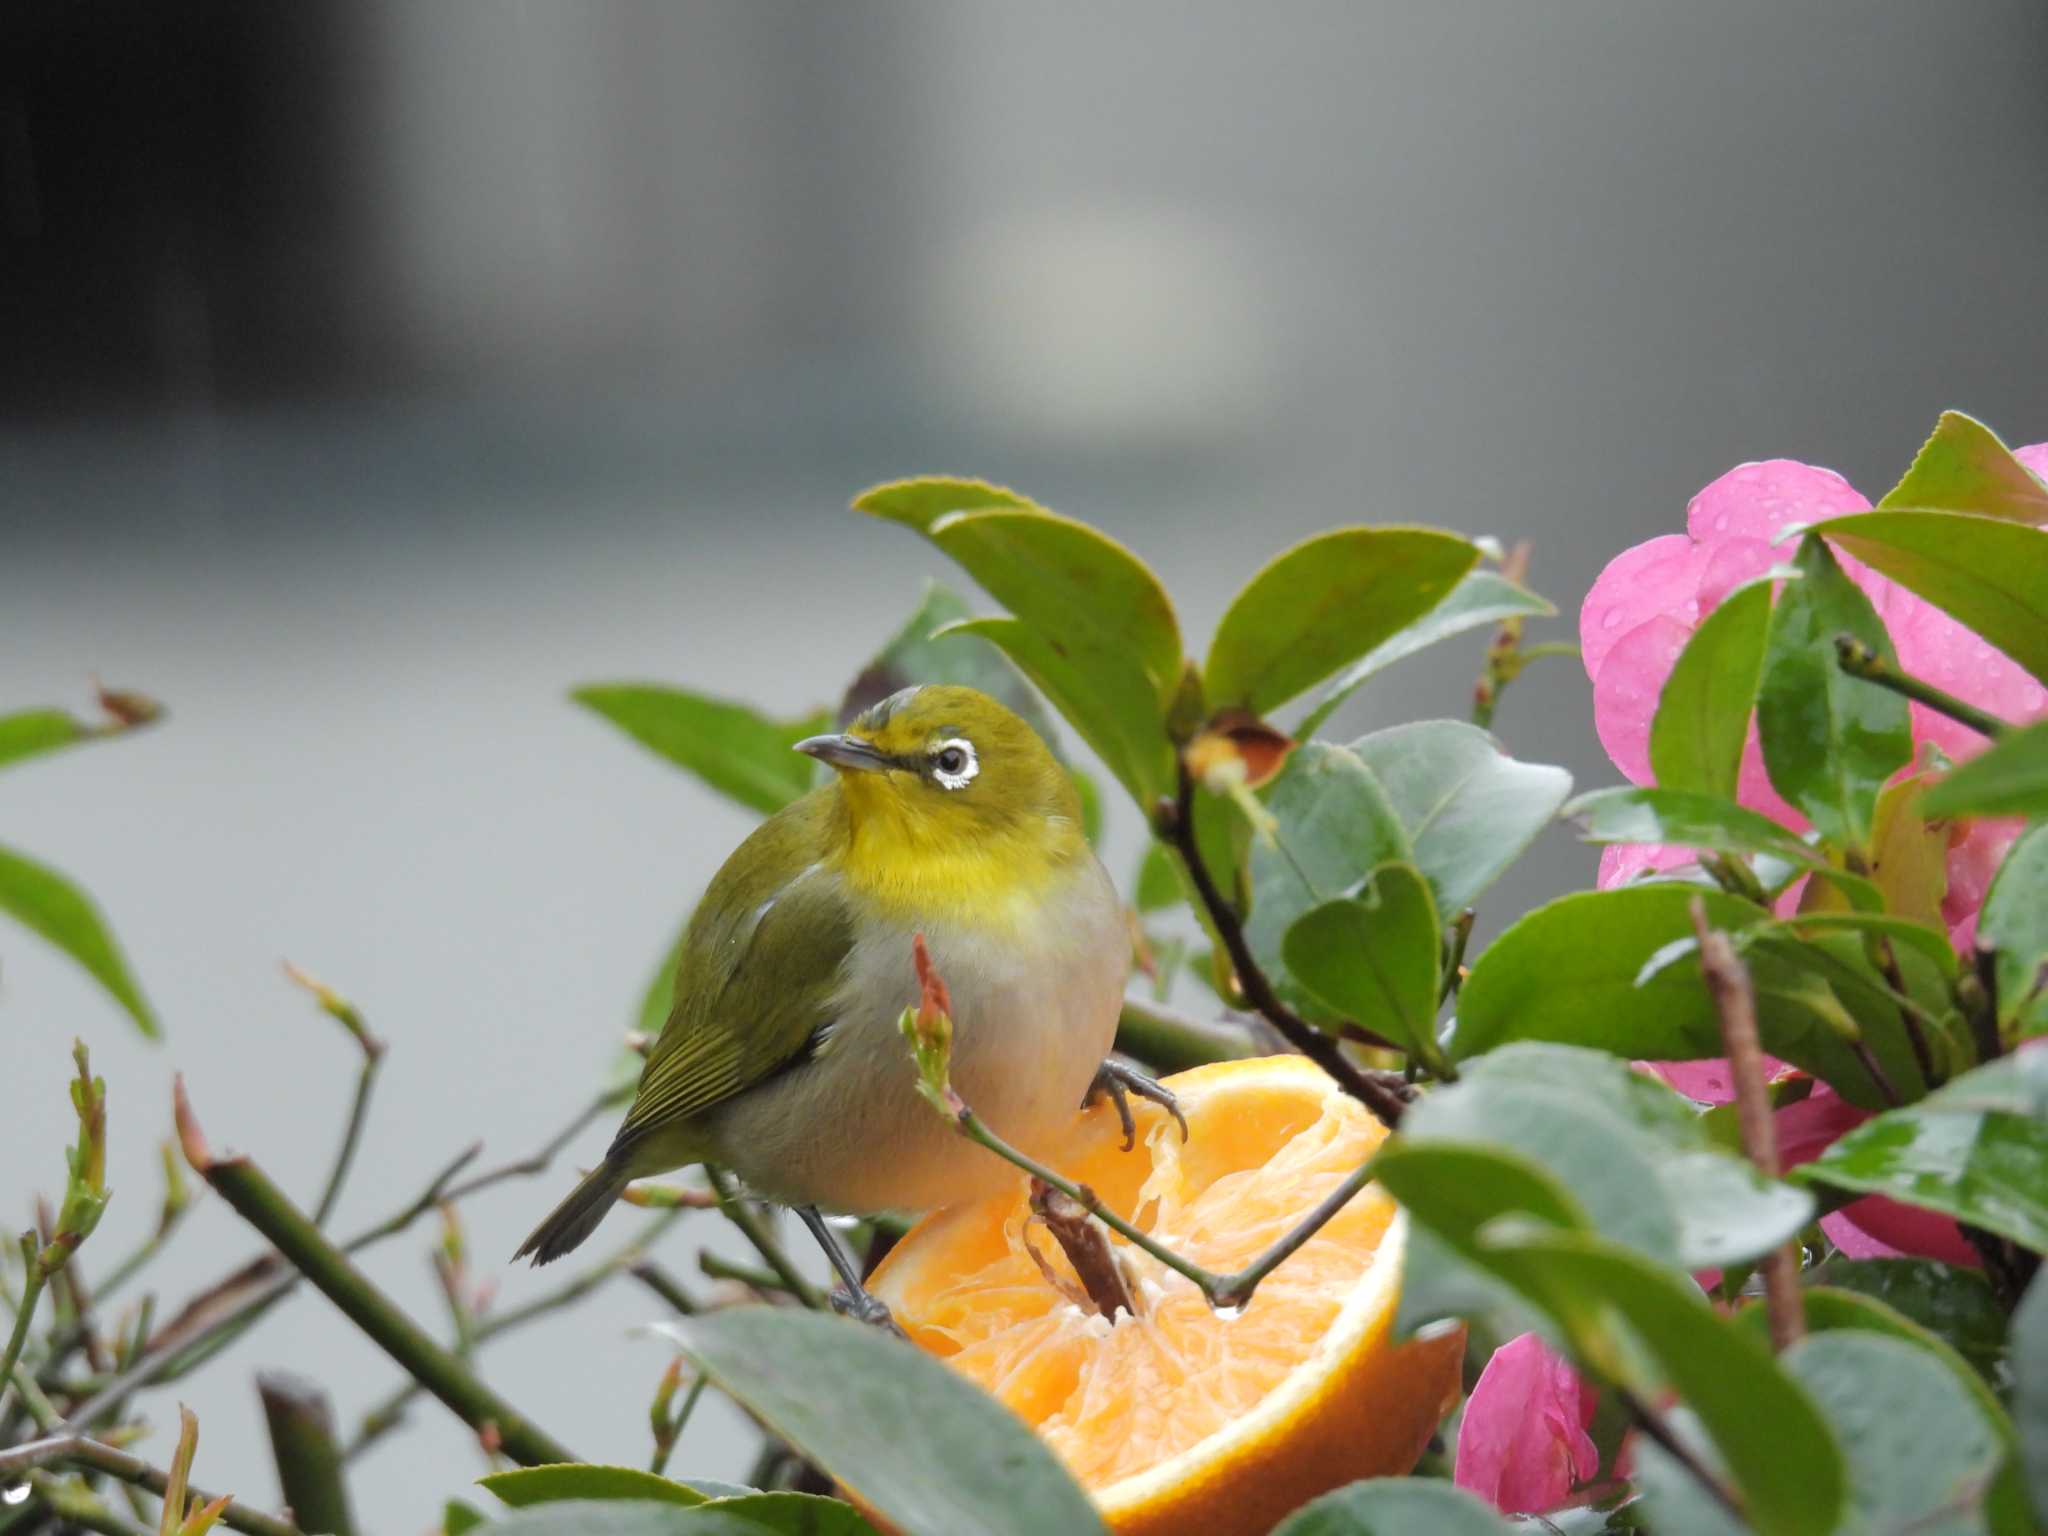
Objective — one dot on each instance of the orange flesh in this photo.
(1116, 1400)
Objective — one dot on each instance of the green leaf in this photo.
(34, 731)
(919, 653)
(1686, 817)
(2030, 1389)
(1916, 1442)
(458, 1518)
(1568, 972)
(1321, 605)
(2014, 924)
(1634, 1156)
(1480, 598)
(1955, 1305)
(2008, 779)
(574, 1480)
(1963, 467)
(736, 751)
(1157, 885)
(916, 1441)
(1975, 1149)
(1335, 827)
(1375, 958)
(1395, 1506)
(1830, 740)
(1080, 589)
(1703, 714)
(1103, 697)
(1469, 810)
(757, 1514)
(1985, 571)
(1929, 944)
(47, 904)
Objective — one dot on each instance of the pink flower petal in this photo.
(1939, 650)
(1877, 1228)
(1756, 501)
(1975, 850)
(1626, 688)
(2035, 457)
(1658, 578)
(1621, 863)
(1522, 1445)
(1728, 566)
(1807, 1128)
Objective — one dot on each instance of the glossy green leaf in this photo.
(1907, 864)
(1989, 573)
(920, 653)
(1975, 1149)
(1481, 598)
(1963, 467)
(2010, 778)
(1335, 827)
(1395, 1506)
(2030, 1389)
(1375, 958)
(33, 731)
(1817, 995)
(1703, 713)
(1830, 740)
(1929, 944)
(1105, 699)
(1955, 1305)
(458, 1518)
(2014, 924)
(920, 1444)
(1568, 972)
(1323, 604)
(522, 1486)
(1080, 589)
(1917, 1443)
(736, 751)
(1469, 810)
(1686, 817)
(1672, 1501)
(47, 904)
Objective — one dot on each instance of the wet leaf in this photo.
(1830, 740)
(1963, 467)
(1703, 713)
(2008, 779)
(1687, 818)
(2014, 923)
(1375, 958)
(1395, 1506)
(1325, 603)
(574, 1480)
(2030, 1388)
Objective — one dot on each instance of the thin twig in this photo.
(1728, 983)
(1382, 1093)
(666, 1286)
(716, 1266)
(264, 1206)
(1859, 660)
(1086, 1249)
(82, 1451)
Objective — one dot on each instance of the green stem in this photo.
(78, 1506)
(1226, 1290)
(308, 1457)
(79, 1451)
(1859, 660)
(33, 1279)
(665, 1446)
(266, 1208)
(1172, 1042)
(666, 1286)
(716, 1267)
(40, 1408)
(755, 1230)
(352, 1133)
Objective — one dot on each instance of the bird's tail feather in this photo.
(569, 1223)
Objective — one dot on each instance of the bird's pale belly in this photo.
(1033, 1017)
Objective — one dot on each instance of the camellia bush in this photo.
(1722, 1186)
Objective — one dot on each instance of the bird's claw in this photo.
(1120, 1081)
(865, 1308)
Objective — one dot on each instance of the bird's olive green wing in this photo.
(759, 966)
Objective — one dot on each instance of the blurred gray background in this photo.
(374, 372)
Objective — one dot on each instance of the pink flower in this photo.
(1647, 602)
(1522, 1445)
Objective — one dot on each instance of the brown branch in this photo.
(1382, 1093)
(1086, 1247)
(1728, 983)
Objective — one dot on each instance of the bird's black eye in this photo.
(953, 763)
(952, 760)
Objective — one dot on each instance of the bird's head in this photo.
(947, 776)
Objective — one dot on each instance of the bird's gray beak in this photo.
(844, 752)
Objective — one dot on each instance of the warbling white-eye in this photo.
(781, 1058)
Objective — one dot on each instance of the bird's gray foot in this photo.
(864, 1306)
(851, 1299)
(1119, 1080)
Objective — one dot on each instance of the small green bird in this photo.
(781, 1058)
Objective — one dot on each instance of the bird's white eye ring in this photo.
(954, 763)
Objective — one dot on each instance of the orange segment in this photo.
(1184, 1419)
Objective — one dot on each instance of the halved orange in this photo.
(1184, 1420)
